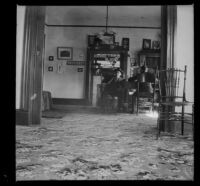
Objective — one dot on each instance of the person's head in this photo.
(118, 73)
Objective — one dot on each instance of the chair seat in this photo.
(177, 103)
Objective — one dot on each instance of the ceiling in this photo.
(96, 15)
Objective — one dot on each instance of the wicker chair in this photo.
(172, 83)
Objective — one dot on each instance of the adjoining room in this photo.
(105, 93)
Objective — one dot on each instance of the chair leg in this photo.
(132, 105)
(137, 105)
(158, 128)
(137, 97)
(193, 121)
(182, 121)
(152, 106)
(158, 124)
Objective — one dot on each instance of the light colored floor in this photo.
(89, 146)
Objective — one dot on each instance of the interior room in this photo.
(105, 92)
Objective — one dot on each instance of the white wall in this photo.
(19, 50)
(70, 84)
(185, 46)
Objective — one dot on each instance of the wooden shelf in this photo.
(152, 58)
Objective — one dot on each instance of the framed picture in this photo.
(91, 40)
(65, 52)
(51, 58)
(125, 43)
(156, 45)
(146, 44)
(50, 68)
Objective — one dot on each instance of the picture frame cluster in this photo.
(150, 45)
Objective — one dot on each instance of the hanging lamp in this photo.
(106, 33)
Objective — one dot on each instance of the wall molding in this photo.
(103, 26)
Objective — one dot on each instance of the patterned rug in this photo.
(83, 146)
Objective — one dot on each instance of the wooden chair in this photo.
(172, 83)
(145, 91)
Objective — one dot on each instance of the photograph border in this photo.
(68, 49)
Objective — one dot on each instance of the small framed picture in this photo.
(146, 44)
(156, 45)
(91, 40)
(50, 68)
(51, 58)
(65, 53)
(125, 43)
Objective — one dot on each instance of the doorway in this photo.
(29, 112)
(34, 108)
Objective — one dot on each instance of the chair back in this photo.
(172, 84)
(146, 81)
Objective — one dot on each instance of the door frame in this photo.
(32, 67)
(30, 107)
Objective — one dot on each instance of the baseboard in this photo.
(64, 101)
(21, 117)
